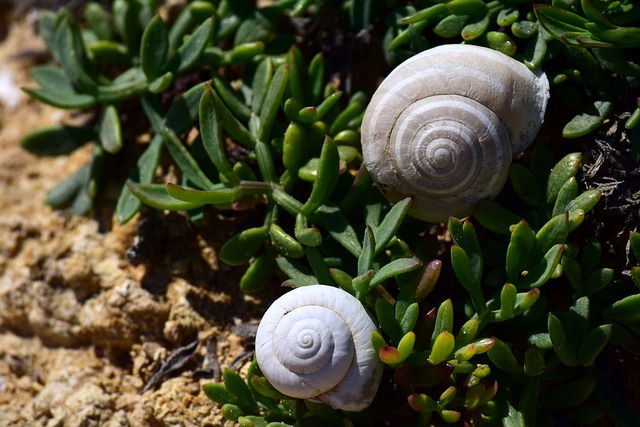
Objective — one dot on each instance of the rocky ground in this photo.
(102, 325)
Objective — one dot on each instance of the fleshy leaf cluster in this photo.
(500, 318)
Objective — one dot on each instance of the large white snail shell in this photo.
(314, 343)
(444, 126)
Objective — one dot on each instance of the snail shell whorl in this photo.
(314, 343)
(444, 126)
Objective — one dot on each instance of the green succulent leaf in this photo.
(428, 279)
(231, 98)
(597, 280)
(106, 51)
(183, 112)
(365, 260)
(536, 50)
(386, 319)
(308, 236)
(232, 125)
(519, 250)
(326, 179)
(127, 85)
(161, 83)
(525, 301)
(565, 169)
(265, 162)
(544, 270)
(390, 224)
(98, 19)
(156, 196)
(534, 361)
(554, 232)
(449, 416)
(508, 297)
(261, 82)
(294, 59)
(593, 343)
(192, 15)
(52, 78)
(463, 270)
(319, 266)
(220, 195)
(343, 280)
(614, 36)
(243, 246)
(562, 346)
(444, 320)
(514, 418)
(295, 147)
(338, 227)
(507, 16)
(390, 356)
(316, 77)
(285, 243)
(422, 403)
(185, 160)
(154, 47)
(464, 235)
(409, 317)
(635, 274)
(128, 204)
(495, 217)
(585, 201)
(236, 385)
(71, 55)
(451, 26)
(258, 274)
(634, 242)
(231, 412)
(126, 23)
(625, 310)
(567, 193)
(271, 103)
(394, 268)
(219, 393)
(501, 356)
(588, 120)
(442, 348)
(63, 193)
(351, 116)
(525, 185)
(562, 24)
(405, 346)
(447, 396)
(467, 332)
(211, 132)
(188, 53)
(57, 140)
(109, 131)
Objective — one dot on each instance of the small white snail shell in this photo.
(444, 126)
(314, 343)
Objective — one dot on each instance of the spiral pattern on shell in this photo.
(314, 343)
(444, 126)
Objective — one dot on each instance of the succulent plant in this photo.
(502, 317)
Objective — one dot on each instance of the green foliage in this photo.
(581, 45)
(130, 53)
(256, 403)
(504, 324)
(521, 333)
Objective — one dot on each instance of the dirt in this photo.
(89, 310)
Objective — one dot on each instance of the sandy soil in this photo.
(83, 329)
